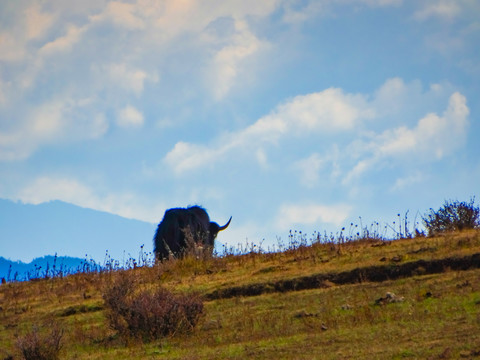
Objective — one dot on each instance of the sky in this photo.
(284, 114)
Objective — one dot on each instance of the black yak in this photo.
(185, 229)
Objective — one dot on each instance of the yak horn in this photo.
(226, 225)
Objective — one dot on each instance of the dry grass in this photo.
(439, 317)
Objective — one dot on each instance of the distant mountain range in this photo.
(41, 267)
(74, 233)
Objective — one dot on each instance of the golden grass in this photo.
(439, 317)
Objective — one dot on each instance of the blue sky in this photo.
(284, 114)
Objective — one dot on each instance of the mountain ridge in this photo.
(45, 266)
(29, 232)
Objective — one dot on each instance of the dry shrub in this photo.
(36, 346)
(150, 315)
(453, 216)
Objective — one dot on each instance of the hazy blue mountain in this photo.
(42, 267)
(31, 231)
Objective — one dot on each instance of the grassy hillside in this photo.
(363, 299)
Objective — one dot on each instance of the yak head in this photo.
(214, 229)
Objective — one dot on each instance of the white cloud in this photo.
(433, 136)
(262, 158)
(172, 19)
(431, 139)
(46, 122)
(408, 181)
(295, 15)
(128, 78)
(122, 14)
(393, 94)
(149, 31)
(244, 8)
(37, 22)
(45, 189)
(228, 60)
(165, 123)
(151, 28)
(190, 16)
(447, 9)
(29, 24)
(10, 48)
(55, 121)
(291, 215)
(332, 112)
(379, 3)
(162, 24)
(42, 126)
(4, 89)
(10, 148)
(130, 117)
(327, 112)
(63, 43)
(184, 156)
(309, 169)
(96, 127)
(297, 11)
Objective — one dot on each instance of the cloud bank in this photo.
(333, 114)
(324, 113)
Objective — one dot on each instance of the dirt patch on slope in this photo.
(375, 273)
